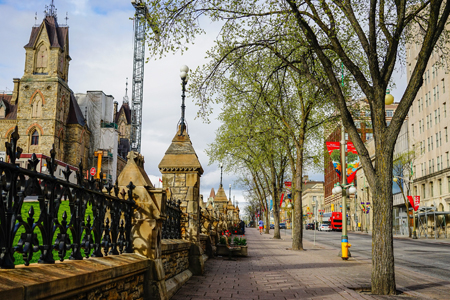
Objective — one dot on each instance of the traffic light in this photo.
(332, 207)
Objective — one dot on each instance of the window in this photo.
(35, 138)
(428, 122)
(440, 139)
(415, 190)
(448, 159)
(443, 86)
(412, 129)
(438, 165)
(445, 110)
(431, 189)
(437, 91)
(420, 127)
(446, 135)
(418, 104)
(448, 184)
(439, 115)
(429, 149)
(421, 166)
(434, 93)
(423, 126)
(423, 191)
(431, 140)
(421, 103)
(428, 75)
(432, 165)
(429, 166)
(431, 120)
(437, 140)
(369, 136)
(429, 98)
(389, 113)
(440, 186)
(414, 171)
(412, 110)
(442, 163)
(432, 71)
(426, 100)
(435, 116)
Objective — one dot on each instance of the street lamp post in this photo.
(342, 189)
(414, 235)
(184, 78)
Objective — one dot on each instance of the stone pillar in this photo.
(147, 220)
(181, 171)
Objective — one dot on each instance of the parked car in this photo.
(272, 226)
(282, 225)
(325, 227)
(309, 226)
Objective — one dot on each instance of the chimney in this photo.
(115, 109)
(15, 95)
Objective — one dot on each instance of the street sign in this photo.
(416, 202)
(93, 171)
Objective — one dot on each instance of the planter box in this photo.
(222, 250)
(243, 252)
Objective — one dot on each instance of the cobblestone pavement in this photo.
(271, 271)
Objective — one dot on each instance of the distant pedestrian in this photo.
(242, 225)
(261, 225)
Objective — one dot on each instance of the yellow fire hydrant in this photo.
(344, 248)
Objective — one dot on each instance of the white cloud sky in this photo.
(101, 48)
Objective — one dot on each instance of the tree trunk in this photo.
(267, 221)
(383, 273)
(297, 232)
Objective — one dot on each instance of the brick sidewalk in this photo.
(273, 272)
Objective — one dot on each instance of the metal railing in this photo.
(108, 232)
(171, 227)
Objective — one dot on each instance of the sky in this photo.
(101, 48)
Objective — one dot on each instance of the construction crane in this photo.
(137, 95)
(141, 21)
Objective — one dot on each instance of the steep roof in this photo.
(56, 35)
(75, 114)
(181, 155)
(212, 194)
(11, 110)
(221, 197)
(125, 108)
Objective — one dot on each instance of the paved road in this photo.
(428, 257)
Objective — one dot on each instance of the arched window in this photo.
(41, 59)
(35, 138)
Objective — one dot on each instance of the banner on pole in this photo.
(352, 160)
(411, 201)
(281, 201)
(416, 202)
(335, 155)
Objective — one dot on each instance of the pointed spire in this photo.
(125, 98)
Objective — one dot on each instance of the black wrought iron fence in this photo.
(171, 228)
(107, 233)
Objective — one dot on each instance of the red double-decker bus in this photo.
(336, 221)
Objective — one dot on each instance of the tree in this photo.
(365, 36)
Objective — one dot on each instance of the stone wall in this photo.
(113, 277)
(175, 257)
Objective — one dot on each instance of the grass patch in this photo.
(64, 207)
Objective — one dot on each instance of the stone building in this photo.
(42, 104)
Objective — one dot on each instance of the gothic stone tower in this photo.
(42, 105)
(181, 171)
